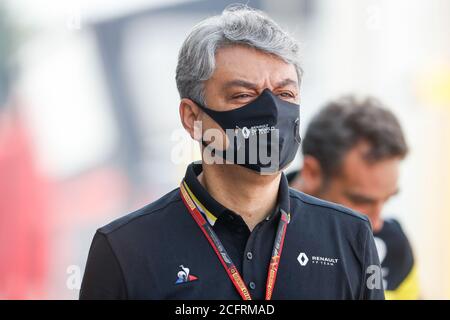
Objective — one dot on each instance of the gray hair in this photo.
(237, 25)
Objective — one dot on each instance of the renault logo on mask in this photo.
(245, 132)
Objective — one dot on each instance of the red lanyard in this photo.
(223, 256)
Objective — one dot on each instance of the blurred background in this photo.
(89, 126)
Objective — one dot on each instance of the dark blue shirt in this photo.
(159, 252)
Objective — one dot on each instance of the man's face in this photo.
(240, 76)
(242, 73)
(364, 186)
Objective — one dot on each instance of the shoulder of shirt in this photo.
(393, 228)
(393, 224)
(328, 207)
(153, 208)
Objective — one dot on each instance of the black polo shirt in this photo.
(159, 252)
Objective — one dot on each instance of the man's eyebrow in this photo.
(240, 83)
(254, 86)
(359, 197)
(287, 82)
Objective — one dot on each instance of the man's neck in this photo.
(248, 194)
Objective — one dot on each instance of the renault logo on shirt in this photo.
(302, 259)
(325, 261)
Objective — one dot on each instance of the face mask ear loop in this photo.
(297, 137)
(202, 107)
(220, 153)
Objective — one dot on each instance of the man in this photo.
(234, 230)
(352, 152)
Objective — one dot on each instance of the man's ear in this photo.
(311, 175)
(190, 114)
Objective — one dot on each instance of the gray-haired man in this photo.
(234, 229)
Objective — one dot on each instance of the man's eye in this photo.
(287, 95)
(242, 96)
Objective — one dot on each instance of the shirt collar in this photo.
(211, 208)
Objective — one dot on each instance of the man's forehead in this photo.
(240, 63)
(377, 178)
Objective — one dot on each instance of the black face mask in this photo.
(263, 134)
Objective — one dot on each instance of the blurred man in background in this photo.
(352, 152)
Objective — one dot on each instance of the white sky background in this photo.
(66, 103)
(51, 11)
